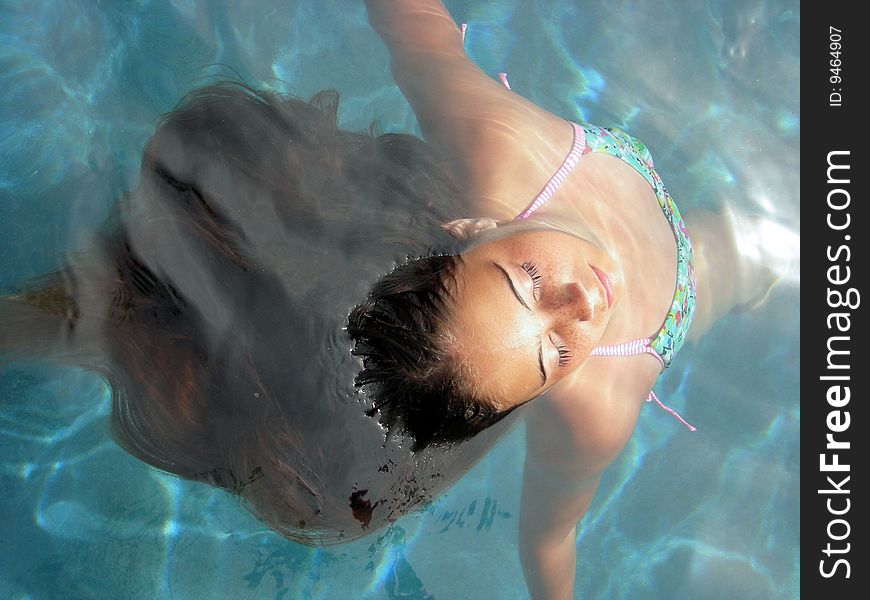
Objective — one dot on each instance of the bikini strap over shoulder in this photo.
(578, 147)
(636, 348)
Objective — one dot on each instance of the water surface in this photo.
(710, 87)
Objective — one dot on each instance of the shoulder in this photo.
(517, 149)
(580, 426)
(501, 147)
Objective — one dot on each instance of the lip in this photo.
(605, 283)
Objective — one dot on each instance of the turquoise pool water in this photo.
(710, 87)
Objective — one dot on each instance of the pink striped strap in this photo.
(632, 348)
(574, 155)
(577, 148)
(635, 348)
(652, 396)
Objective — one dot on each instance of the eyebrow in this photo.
(510, 282)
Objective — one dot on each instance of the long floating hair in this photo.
(214, 297)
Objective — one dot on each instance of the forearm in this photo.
(415, 30)
(452, 99)
(548, 564)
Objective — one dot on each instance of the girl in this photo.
(579, 282)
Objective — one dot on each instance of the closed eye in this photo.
(542, 371)
(513, 288)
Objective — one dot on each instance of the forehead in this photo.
(508, 237)
(493, 334)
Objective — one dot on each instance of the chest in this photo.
(621, 209)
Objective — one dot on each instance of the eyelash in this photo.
(564, 354)
(532, 270)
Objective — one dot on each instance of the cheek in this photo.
(580, 339)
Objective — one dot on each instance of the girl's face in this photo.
(529, 308)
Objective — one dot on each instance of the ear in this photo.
(466, 229)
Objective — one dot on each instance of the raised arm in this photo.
(415, 30)
(488, 133)
(429, 65)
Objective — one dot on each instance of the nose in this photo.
(573, 302)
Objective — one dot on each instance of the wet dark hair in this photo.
(214, 299)
(402, 331)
